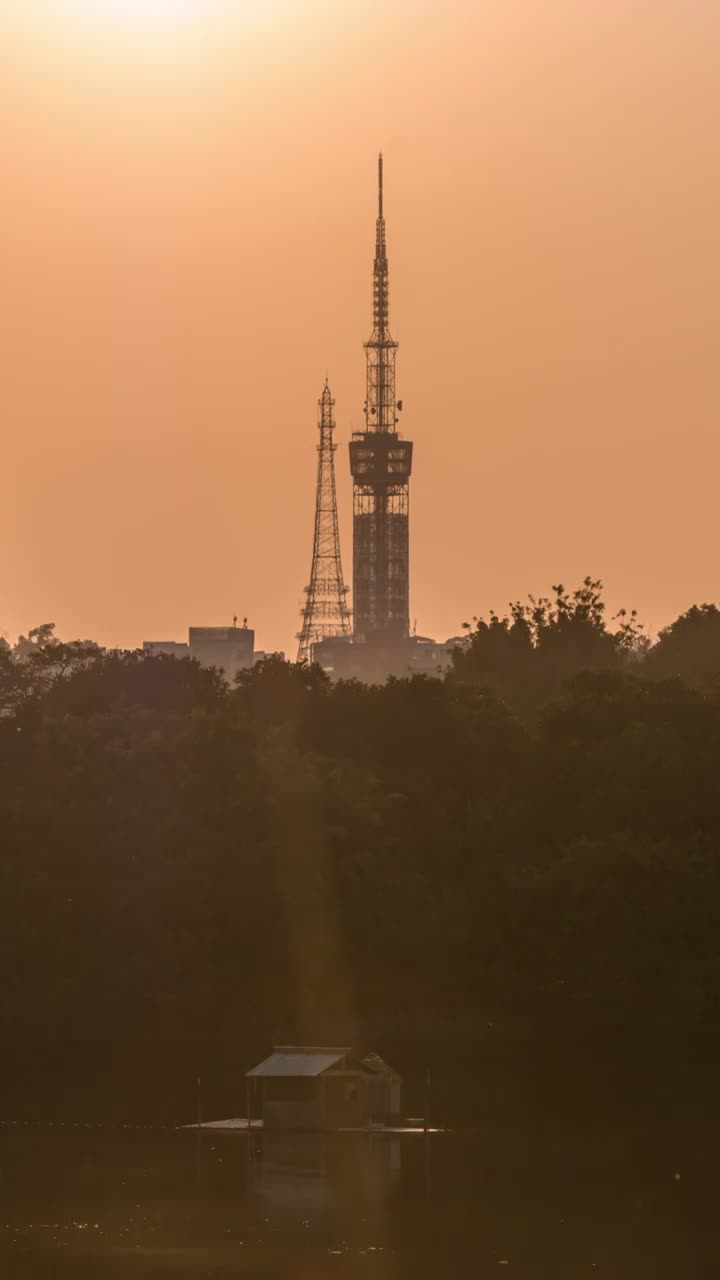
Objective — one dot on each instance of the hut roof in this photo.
(291, 1060)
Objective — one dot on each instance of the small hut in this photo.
(312, 1087)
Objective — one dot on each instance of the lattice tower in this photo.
(326, 610)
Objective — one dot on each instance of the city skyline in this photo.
(555, 267)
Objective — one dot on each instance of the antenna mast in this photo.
(326, 611)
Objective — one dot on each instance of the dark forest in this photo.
(517, 862)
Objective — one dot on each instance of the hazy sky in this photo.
(187, 221)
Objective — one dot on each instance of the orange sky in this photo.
(186, 250)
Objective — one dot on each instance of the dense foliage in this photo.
(527, 851)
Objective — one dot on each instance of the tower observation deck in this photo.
(380, 462)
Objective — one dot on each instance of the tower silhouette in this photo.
(326, 611)
(380, 462)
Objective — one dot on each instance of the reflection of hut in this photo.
(291, 1174)
(339, 1180)
(308, 1087)
(385, 1090)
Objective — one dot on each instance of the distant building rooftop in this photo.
(172, 648)
(221, 633)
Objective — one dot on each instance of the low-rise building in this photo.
(228, 649)
(383, 654)
(171, 648)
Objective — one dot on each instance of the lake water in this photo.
(557, 1206)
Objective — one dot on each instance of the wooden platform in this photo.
(240, 1125)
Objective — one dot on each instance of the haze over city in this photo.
(188, 236)
(364, 945)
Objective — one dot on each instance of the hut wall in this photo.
(290, 1103)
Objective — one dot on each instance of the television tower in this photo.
(326, 612)
(380, 462)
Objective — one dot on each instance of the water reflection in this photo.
(324, 1181)
(529, 1201)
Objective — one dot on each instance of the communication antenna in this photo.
(326, 611)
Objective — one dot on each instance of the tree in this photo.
(690, 649)
(275, 691)
(527, 656)
(37, 662)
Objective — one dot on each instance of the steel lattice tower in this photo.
(326, 611)
(380, 462)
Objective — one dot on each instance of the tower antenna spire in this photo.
(326, 611)
(380, 185)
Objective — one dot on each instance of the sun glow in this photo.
(133, 15)
(134, 23)
(167, 12)
(135, 30)
(107, 43)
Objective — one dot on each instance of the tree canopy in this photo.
(191, 869)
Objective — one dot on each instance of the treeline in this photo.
(526, 851)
